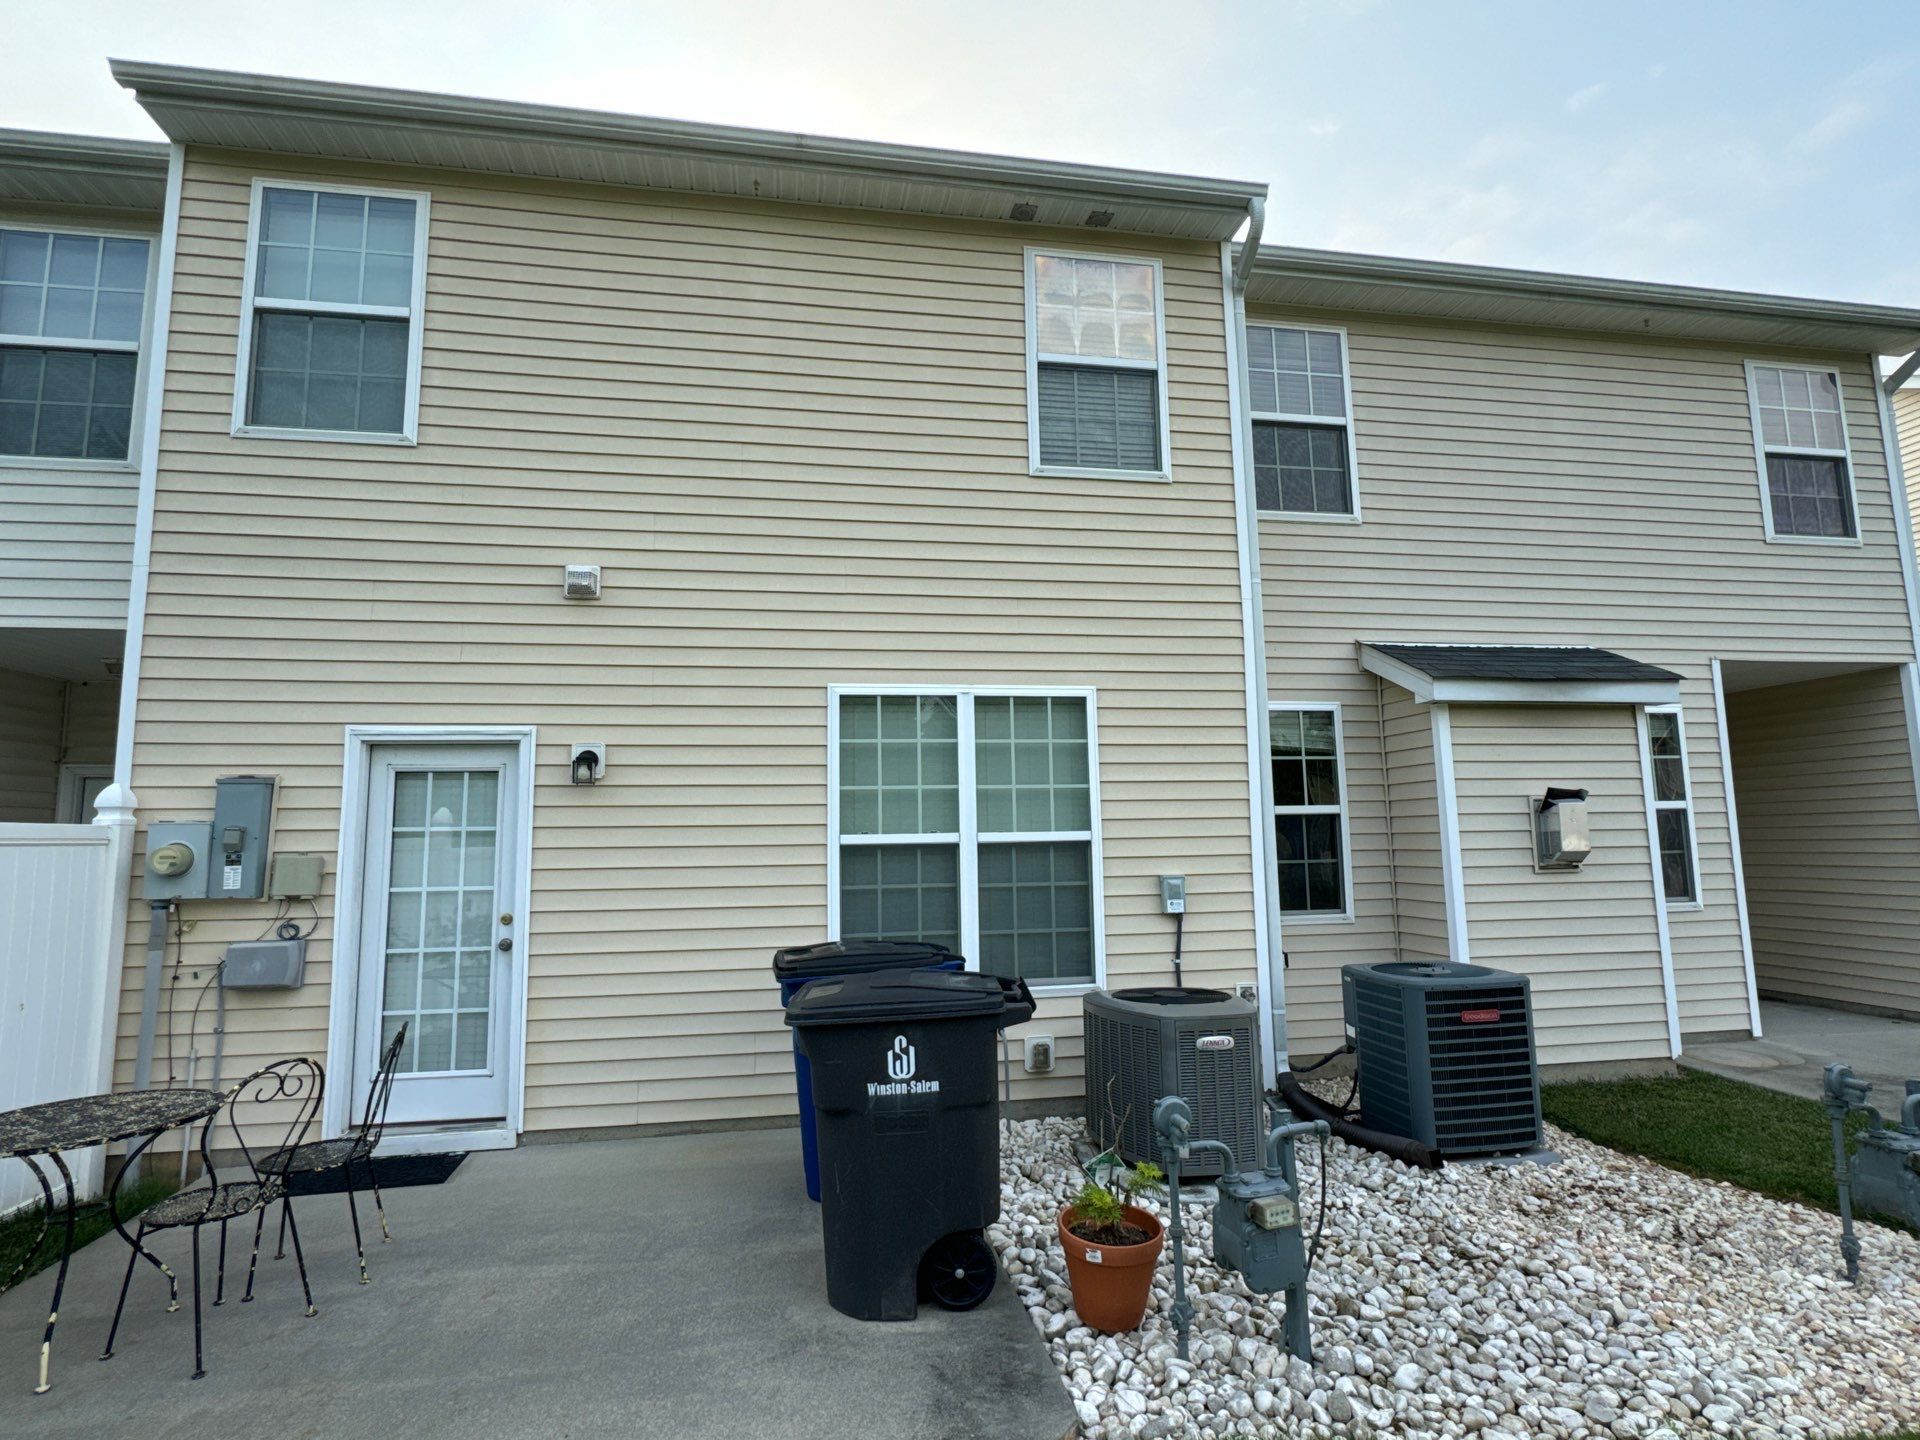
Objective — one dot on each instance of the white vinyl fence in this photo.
(56, 981)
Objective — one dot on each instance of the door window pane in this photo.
(441, 906)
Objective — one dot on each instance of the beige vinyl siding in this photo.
(1525, 486)
(1831, 838)
(30, 708)
(796, 441)
(1587, 939)
(1418, 879)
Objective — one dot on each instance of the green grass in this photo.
(1778, 1145)
(17, 1232)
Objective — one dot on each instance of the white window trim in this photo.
(1663, 932)
(414, 313)
(1843, 454)
(136, 427)
(1698, 902)
(1321, 917)
(969, 837)
(1273, 416)
(1034, 358)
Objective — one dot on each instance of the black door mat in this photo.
(392, 1171)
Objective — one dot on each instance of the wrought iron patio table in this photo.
(55, 1129)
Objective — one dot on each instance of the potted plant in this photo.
(1112, 1245)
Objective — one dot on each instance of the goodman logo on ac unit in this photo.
(901, 1065)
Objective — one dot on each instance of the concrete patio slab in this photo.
(662, 1287)
(1799, 1041)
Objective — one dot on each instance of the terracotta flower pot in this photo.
(1112, 1283)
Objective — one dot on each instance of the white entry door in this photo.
(438, 946)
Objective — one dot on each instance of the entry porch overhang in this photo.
(1519, 674)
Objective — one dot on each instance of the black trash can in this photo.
(797, 965)
(907, 1106)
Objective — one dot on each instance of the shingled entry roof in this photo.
(1522, 662)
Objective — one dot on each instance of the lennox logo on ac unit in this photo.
(1213, 1042)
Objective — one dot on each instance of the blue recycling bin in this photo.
(795, 966)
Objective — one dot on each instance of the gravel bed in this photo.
(1604, 1296)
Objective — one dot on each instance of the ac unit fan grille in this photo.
(1215, 1084)
(1482, 1072)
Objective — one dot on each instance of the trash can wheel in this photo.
(958, 1270)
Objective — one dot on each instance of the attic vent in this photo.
(1099, 219)
(1025, 210)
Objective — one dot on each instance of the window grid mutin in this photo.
(1013, 884)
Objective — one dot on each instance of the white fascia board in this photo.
(364, 122)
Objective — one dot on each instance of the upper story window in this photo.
(1800, 432)
(330, 324)
(1096, 367)
(71, 308)
(1303, 453)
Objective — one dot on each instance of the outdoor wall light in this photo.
(589, 763)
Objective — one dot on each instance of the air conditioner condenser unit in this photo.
(1202, 1045)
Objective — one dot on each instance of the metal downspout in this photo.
(1253, 610)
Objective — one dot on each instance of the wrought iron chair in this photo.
(318, 1156)
(296, 1083)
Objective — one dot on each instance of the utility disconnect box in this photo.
(242, 820)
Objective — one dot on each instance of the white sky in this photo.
(1759, 145)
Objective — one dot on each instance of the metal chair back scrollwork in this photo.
(269, 1116)
(354, 1148)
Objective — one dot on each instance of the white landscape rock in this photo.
(1602, 1297)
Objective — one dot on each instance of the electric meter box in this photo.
(179, 854)
(242, 825)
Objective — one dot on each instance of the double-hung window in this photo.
(1310, 812)
(71, 310)
(1800, 434)
(1301, 399)
(968, 817)
(1672, 804)
(330, 326)
(1096, 367)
